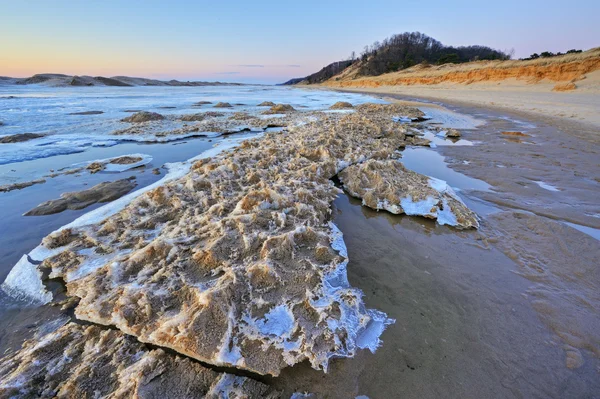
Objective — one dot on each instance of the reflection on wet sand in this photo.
(464, 327)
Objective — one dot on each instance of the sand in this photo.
(581, 105)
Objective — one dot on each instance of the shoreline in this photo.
(587, 128)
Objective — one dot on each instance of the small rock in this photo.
(341, 105)
(19, 138)
(453, 133)
(223, 105)
(143, 116)
(279, 109)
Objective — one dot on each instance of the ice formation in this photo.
(388, 185)
(233, 259)
(88, 361)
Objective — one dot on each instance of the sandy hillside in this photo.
(565, 87)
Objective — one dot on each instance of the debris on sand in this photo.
(19, 138)
(103, 192)
(341, 105)
(387, 184)
(89, 361)
(18, 186)
(143, 116)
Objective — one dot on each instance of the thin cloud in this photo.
(228, 73)
(267, 66)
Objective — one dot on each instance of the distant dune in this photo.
(60, 80)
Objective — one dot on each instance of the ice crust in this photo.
(113, 167)
(388, 185)
(233, 260)
(89, 361)
(24, 280)
(546, 186)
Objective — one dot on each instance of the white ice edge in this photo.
(24, 280)
(546, 186)
(111, 167)
(427, 207)
(360, 326)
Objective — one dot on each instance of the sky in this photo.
(265, 41)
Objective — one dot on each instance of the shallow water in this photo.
(431, 163)
(39, 109)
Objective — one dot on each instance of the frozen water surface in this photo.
(39, 109)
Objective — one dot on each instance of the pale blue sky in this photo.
(265, 41)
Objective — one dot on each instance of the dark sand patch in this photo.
(103, 192)
(87, 113)
(18, 186)
(19, 138)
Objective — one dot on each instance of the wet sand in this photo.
(511, 310)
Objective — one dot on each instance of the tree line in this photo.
(403, 51)
(408, 49)
(548, 54)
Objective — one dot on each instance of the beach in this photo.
(507, 309)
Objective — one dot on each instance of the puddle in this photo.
(590, 231)
(441, 140)
(430, 163)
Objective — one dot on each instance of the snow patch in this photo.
(546, 186)
(24, 282)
